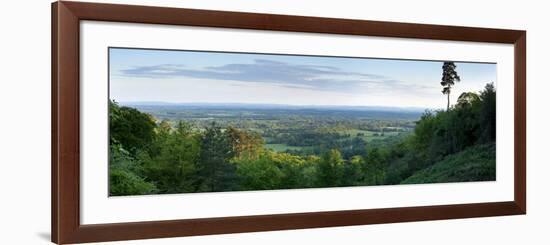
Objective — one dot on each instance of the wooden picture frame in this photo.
(65, 175)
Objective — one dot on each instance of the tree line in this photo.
(149, 157)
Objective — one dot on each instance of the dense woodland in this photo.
(154, 155)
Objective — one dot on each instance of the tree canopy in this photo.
(150, 156)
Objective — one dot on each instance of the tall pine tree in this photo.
(448, 80)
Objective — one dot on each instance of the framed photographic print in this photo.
(176, 122)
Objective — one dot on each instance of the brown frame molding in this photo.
(66, 227)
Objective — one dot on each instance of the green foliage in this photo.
(330, 169)
(441, 133)
(173, 168)
(476, 163)
(273, 170)
(259, 173)
(130, 127)
(375, 167)
(286, 148)
(122, 177)
(488, 114)
(216, 173)
(124, 182)
(353, 172)
(294, 169)
(151, 156)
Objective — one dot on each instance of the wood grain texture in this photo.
(273, 22)
(54, 120)
(67, 125)
(66, 17)
(520, 81)
(193, 227)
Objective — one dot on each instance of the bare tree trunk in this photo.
(448, 98)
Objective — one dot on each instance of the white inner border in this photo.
(97, 207)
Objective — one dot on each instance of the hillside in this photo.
(476, 163)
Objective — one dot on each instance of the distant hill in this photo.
(273, 106)
(476, 163)
(179, 111)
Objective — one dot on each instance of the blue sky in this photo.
(216, 77)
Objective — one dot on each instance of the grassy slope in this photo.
(476, 163)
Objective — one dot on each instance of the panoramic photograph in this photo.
(204, 121)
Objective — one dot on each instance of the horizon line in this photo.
(267, 104)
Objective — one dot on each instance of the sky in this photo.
(145, 75)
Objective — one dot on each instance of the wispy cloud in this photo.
(312, 77)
